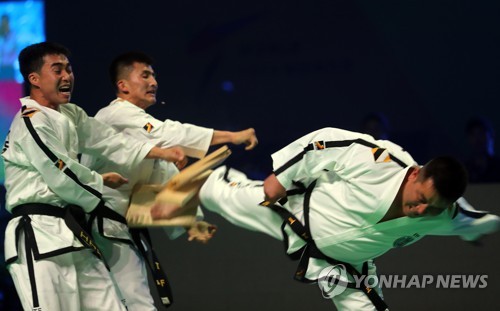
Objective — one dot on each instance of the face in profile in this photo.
(420, 197)
(140, 85)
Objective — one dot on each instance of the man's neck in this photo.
(144, 107)
(42, 101)
(396, 208)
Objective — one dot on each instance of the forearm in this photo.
(173, 154)
(222, 137)
(247, 137)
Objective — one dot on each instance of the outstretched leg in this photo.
(232, 195)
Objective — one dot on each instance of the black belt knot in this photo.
(74, 218)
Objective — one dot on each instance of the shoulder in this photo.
(340, 134)
(104, 113)
(72, 108)
(34, 115)
(30, 120)
(116, 111)
(73, 112)
(340, 137)
(397, 151)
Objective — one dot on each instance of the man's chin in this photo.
(64, 99)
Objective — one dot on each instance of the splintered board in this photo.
(178, 196)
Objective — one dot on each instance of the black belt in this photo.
(102, 212)
(310, 250)
(139, 236)
(73, 216)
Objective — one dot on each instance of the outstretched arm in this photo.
(246, 137)
(172, 154)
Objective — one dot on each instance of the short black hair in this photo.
(122, 61)
(449, 176)
(31, 57)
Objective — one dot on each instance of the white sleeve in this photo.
(68, 179)
(195, 140)
(468, 223)
(101, 140)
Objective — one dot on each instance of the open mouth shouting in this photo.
(65, 90)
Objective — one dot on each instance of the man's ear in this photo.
(414, 174)
(34, 79)
(122, 86)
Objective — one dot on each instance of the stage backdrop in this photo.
(289, 67)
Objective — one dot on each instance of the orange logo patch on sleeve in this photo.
(381, 155)
(319, 145)
(29, 112)
(60, 164)
(148, 127)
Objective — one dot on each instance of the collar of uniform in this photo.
(389, 195)
(124, 102)
(28, 101)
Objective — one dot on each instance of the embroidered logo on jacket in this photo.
(29, 112)
(60, 164)
(381, 155)
(405, 240)
(319, 145)
(148, 127)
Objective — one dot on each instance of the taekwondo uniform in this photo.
(340, 184)
(114, 239)
(51, 257)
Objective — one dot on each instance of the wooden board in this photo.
(180, 192)
(189, 173)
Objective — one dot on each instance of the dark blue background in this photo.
(296, 66)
